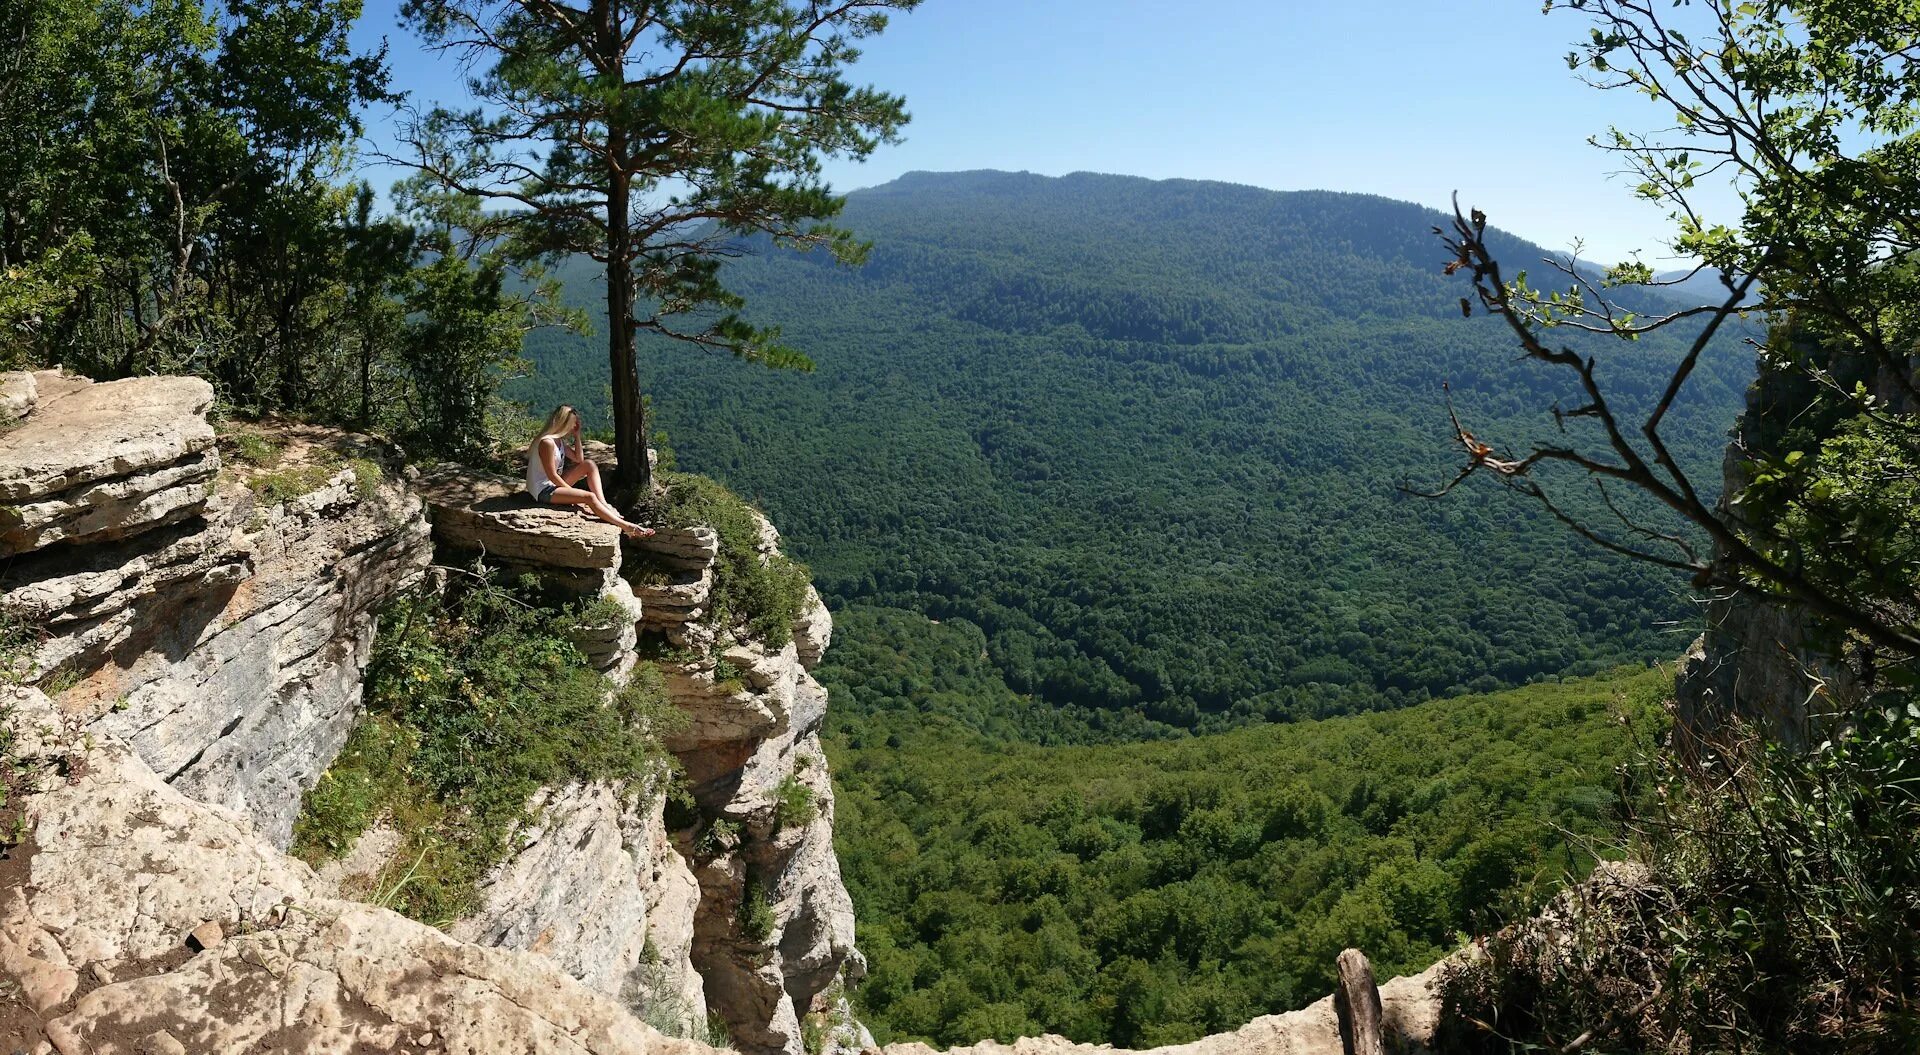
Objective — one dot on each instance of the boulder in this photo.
(493, 516)
(81, 431)
(18, 395)
(98, 462)
(690, 547)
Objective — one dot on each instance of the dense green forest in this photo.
(1149, 437)
(1152, 893)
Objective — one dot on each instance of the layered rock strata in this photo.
(135, 919)
(95, 462)
(775, 926)
(576, 558)
(220, 636)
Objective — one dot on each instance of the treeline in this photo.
(176, 197)
(1149, 437)
(1146, 894)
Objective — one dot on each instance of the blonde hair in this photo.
(563, 420)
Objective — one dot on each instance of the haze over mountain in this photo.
(1149, 436)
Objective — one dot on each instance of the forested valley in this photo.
(1158, 677)
(1152, 437)
(1095, 460)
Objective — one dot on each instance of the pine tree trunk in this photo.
(629, 412)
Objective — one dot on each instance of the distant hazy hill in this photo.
(1147, 435)
(1701, 287)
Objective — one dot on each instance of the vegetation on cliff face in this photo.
(1153, 893)
(1148, 435)
(762, 593)
(475, 701)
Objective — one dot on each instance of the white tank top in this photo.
(537, 480)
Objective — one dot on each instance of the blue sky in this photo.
(1408, 100)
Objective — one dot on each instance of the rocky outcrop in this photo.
(223, 637)
(596, 886)
(1763, 663)
(775, 926)
(136, 919)
(479, 516)
(102, 461)
(1411, 1007)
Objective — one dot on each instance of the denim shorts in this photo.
(546, 494)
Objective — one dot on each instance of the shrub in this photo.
(476, 700)
(1783, 915)
(255, 449)
(792, 803)
(762, 595)
(756, 913)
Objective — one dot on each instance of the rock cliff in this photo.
(220, 636)
(734, 886)
(1767, 663)
(186, 635)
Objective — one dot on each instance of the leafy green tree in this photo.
(1811, 111)
(649, 136)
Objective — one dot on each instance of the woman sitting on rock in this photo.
(557, 461)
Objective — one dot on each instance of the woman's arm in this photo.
(550, 460)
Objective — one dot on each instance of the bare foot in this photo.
(636, 531)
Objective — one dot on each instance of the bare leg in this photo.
(574, 496)
(590, 473)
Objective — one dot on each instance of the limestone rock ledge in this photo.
(101, 461)
(1410, 1007)
(105, 928)
(223, 637)
(488, 518)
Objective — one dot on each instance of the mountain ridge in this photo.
(1128, 427)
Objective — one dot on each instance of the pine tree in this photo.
(654, 137)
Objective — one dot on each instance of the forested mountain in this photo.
(1149, 436)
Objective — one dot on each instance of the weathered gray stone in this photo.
(81, 432)
(110, 509)
(242, 696)
(492, 515)
(674, 595)
(18, 394)
(812, 630)
(71, 584)
(121, 865)
(597, 887)
(693, 547)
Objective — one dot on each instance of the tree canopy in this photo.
(1149, 437)
(647, 136)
